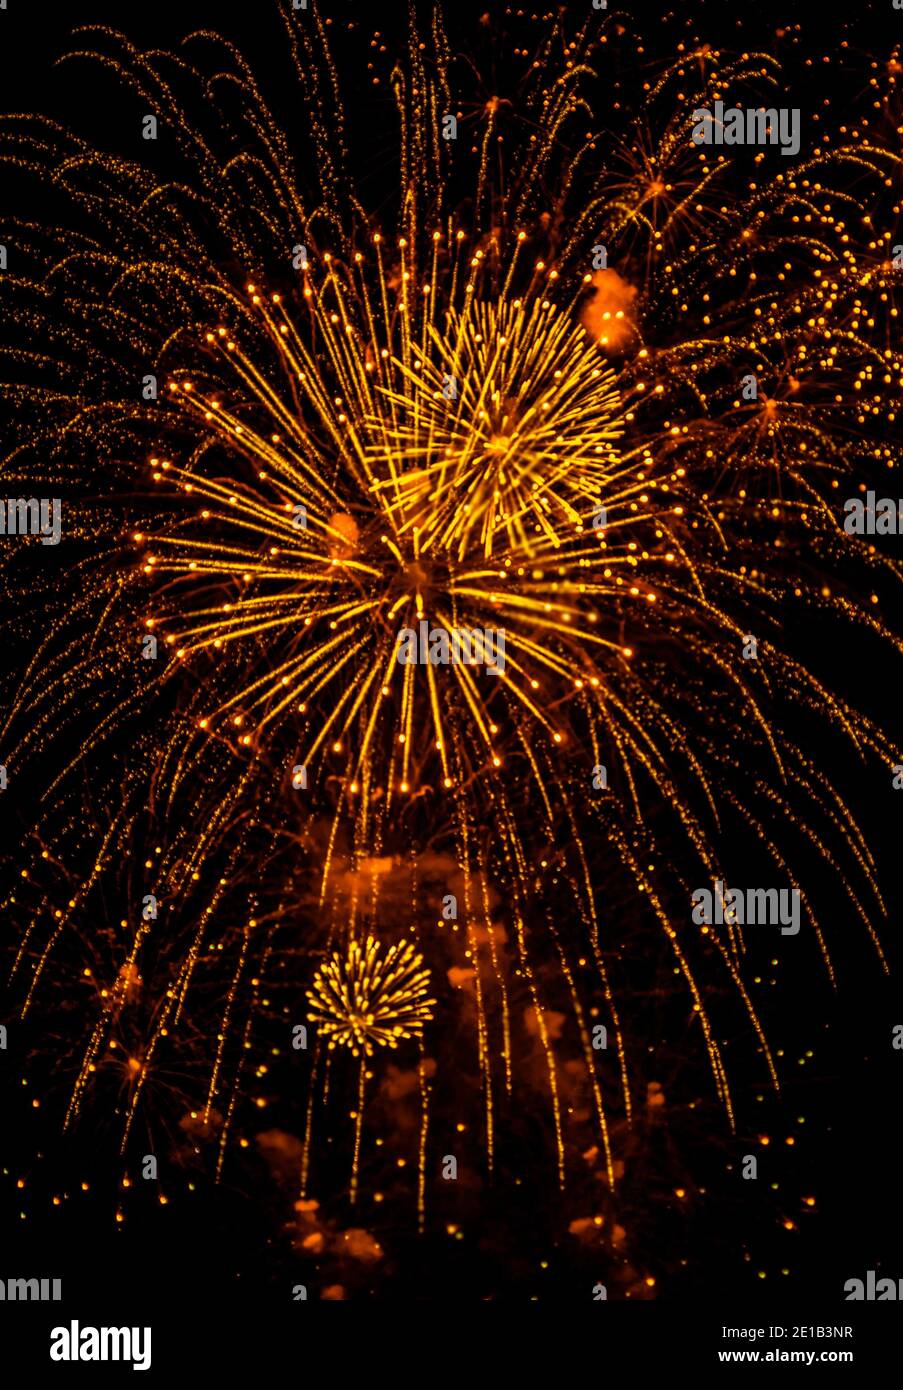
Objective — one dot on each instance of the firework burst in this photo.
(460, 422)
(371, 996)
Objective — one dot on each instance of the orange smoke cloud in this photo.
(608, 314)
(344, 535)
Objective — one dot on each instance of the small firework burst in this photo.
(371, 996)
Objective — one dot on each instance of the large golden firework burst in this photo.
(458, 421)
